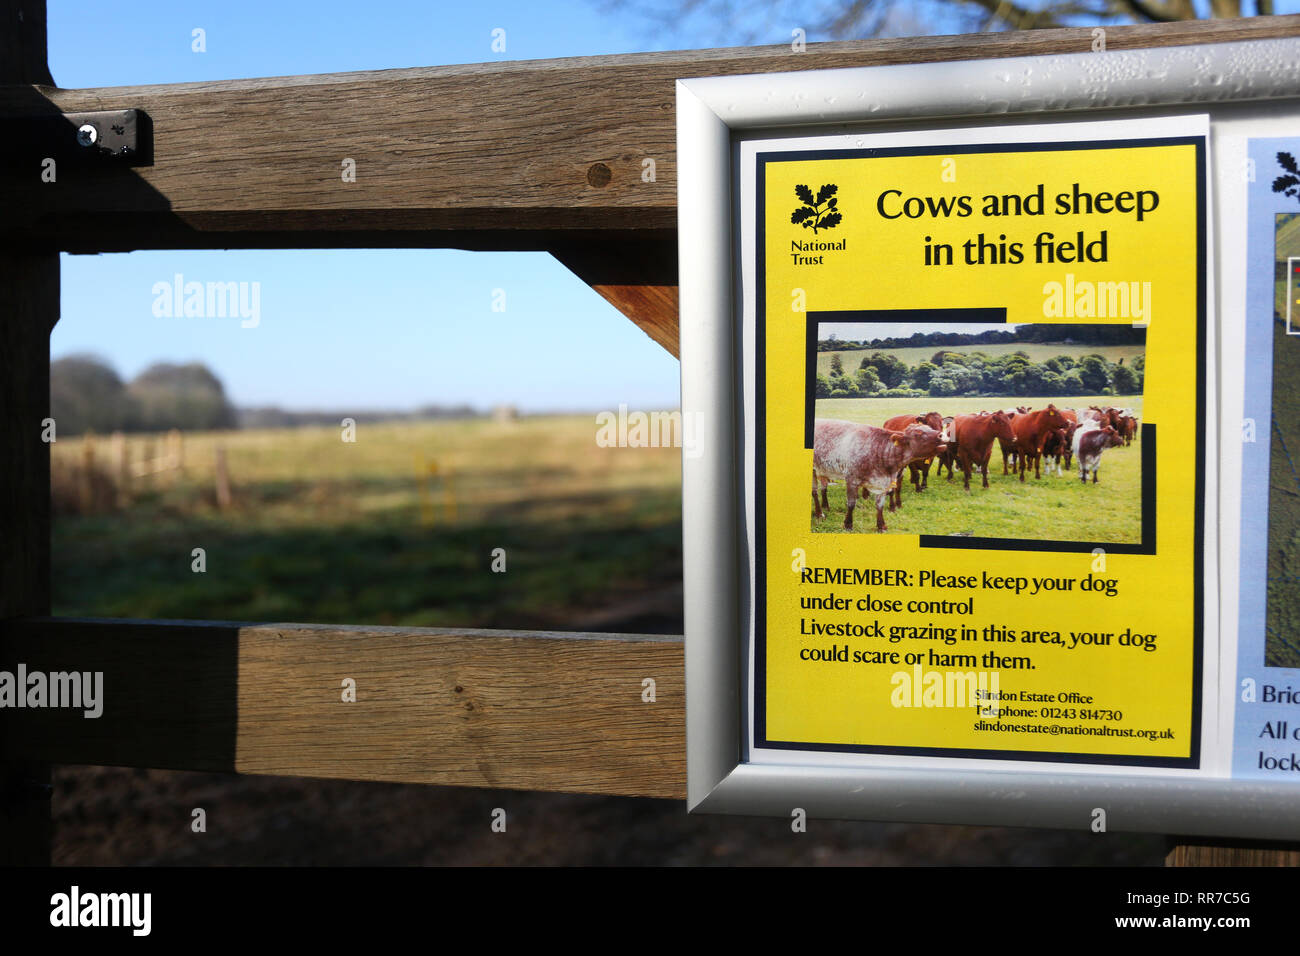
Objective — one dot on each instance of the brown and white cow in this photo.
(1090, 443)
(865, 458)
(973, 436)
(1031, 432)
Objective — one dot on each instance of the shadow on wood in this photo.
(518, 710)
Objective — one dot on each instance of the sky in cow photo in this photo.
(867, 331)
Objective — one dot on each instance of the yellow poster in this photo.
(979, 380)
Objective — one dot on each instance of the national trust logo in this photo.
(817, 212)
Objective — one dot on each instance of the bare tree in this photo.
(746, 22)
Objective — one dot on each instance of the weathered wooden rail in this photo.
(548, 155)
(524, 710)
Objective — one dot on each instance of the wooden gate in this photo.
(535, 155)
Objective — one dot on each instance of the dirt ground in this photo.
(106, 816)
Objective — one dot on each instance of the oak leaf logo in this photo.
(1288, 185)
(817, 212)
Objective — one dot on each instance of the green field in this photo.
(852, 358)
(396, 528)
(1050, 508)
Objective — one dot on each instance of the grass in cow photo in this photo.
(1048, 508)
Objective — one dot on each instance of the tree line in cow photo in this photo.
(1005, 445)
(992, 363)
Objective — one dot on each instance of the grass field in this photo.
(852, 358)
(1050, 508)
(329, 531)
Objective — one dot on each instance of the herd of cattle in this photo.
(872, 460)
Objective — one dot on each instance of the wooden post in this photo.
(29, 303)
(29, 307)
(525, 710)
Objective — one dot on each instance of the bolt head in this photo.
(87, 135)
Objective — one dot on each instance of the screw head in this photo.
(87, 135)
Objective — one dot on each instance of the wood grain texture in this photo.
(1234, 854)
(498, 155)
(519, 710)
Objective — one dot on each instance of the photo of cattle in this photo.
(1026, 432)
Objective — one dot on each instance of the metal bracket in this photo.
(104, 138)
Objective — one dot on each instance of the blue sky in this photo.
(353, 328)
(380, 328)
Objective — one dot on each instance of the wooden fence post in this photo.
(29, 307)
(29, 303)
